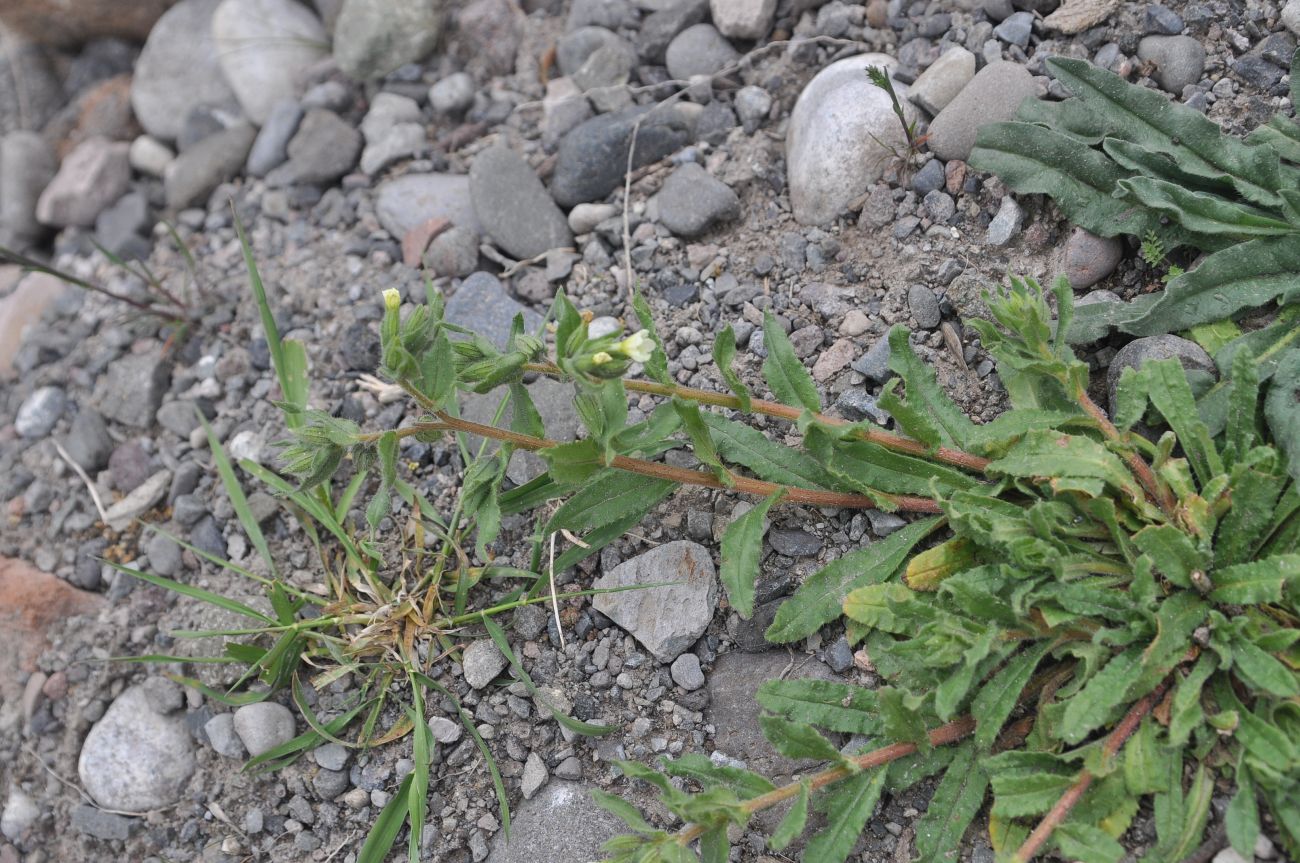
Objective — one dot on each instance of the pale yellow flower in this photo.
(638, 347)
(392, 299)
(599, 359)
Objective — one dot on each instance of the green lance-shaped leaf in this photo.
(847, 809)
(1242, 817)
(701, 439)
(824, 703)
(953, 807)
(870, 468)
(1056, 457)
(1280, 133)
(1282, 409)
(1203, 213)
(924, 392)
(750, 448)
(796, 739)
(1174, 554)
(1081, 180)
(742, 551)
(1262, 670)
(1239, 277)
(997, 698)
(784, 373)
(793, 823)
(1147, 117)
(745, 784)
(1162, 166)
(1256, 582)
(724, 354)
(820, 599)
(1265, 347)
(1186, 713)
(606, 498)
(573, 462)
(1108, 689)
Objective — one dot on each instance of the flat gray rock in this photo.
(194, 174)
(592, 157)
(666, 620)
(1179, 60)
(411, 200)
(560, 824)
(264, 47)
(733, 711)
(513, 206)
(992, 96)
(374, 37)
(481, 304)
(136, 759)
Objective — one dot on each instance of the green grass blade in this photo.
(384, 832)
(194, 593)
(236, 494)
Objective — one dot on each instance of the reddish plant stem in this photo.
(1114, 743)
(898, 443)
(1158, 491)
(941, 736)
(746, 485)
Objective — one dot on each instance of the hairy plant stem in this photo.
(743, 484)
(1114, 743)
(1158, 491)
(898, 443)
(941, 736)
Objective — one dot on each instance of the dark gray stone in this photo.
(930, 178)
(194, 174)
(513, 207)
(324, 148)
(839, 655)
(924, 306)
(95, 822)
(481, 304)
(691, 201)
(592, 158)
(794, 543)
(1016, 29)
(271, 147)
(659, 28)
(993, 95)
(121, 227)
(1161, 20)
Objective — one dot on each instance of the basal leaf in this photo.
(1202, 213)
(797, 739)
(834, 706)
(1242, 817)
(820, 598)
(1256, 582)
(742, 551)
(996, 700)
(793, 823)
(785, 374)
(953, 807)
(1282, 409)
(1108, 689)
(1174, 554)
(847, 809)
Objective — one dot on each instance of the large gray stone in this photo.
(271, 147)
(135, 758)
(732, 686)
(264, 46)
(561, 824)
(178, 69)
(374, 37)
(195, 174)
(592, 158)
(659, 28)
(409, 201)
(513, 206)
(482, 662)
(264, 726)
(838, 141)
(1138, 352)
(666, 620)
(93, 176)
(992, 96)
(481, 304)
(1179, 60)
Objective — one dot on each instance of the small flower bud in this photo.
(392, 299)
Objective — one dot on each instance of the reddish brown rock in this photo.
(66, 23)
(31, 602)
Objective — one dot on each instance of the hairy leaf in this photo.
(785, 374)
(724, 354)
(742, 551)
(833, 706)
(847, 809)
(954, 805)
(793, 823)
